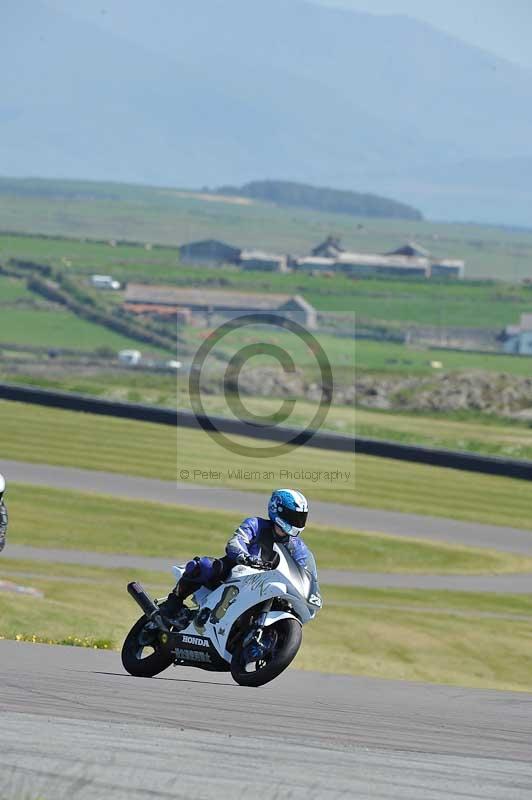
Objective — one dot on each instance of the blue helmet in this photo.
(288, 509)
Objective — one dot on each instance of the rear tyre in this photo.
(285, 637)
(143, 655)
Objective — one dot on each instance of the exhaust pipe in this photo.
(143, 599)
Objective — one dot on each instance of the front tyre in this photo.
(143, 655)
(279, 646)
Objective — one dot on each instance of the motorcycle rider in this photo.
(3, 514)
(251, 544)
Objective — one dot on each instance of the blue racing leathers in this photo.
(255, 537)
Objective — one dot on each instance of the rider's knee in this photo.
(204, 569)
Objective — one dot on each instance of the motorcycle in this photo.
(250, 625)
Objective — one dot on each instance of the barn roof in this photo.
(178, 296)
(329, 248)
(260, 255)
(299, 301)
(209, 243)
(410, 249)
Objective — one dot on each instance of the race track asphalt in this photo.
(251, 504)
(74, 725)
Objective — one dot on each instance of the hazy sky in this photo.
(502, 26)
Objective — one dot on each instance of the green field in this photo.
(27, 319)
(351, 357)
(37, 434)
(12, 291)
(60, 328)
(386, 357)
(168, 216)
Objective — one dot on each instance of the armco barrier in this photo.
(471, 462)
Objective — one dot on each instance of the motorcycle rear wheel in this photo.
(143, 665)
(288, 640)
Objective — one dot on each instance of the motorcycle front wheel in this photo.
(142, 653)
(279, 647)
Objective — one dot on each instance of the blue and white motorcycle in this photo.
(250, 625)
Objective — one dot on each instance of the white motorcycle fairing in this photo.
(205, 640)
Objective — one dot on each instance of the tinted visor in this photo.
(298, 519)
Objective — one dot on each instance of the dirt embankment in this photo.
(496, 393)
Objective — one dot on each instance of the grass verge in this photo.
(73, 520)
(68, 641)
(439, 637)
(399, 642)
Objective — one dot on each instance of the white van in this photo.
(104, 282)
(131, 357)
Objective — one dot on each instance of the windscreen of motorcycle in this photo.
(300, 577)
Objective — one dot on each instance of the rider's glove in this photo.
(249, 561)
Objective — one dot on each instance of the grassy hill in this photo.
(319, 198)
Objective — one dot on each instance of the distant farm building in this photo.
(209, 251)
(518, 338)
(269, 262)
(410, 260)
(330, 248)
(366, 265)
(439, 267)
(208, 303)
(447, 268)
(411, 250)
(315, 263)
(182, 316)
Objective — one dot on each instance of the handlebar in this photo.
(259, 563)
(266, 565)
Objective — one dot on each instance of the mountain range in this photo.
(191, 93)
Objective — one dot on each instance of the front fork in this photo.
(253, 639)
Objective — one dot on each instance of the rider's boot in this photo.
(173, 603)
(174, 609)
